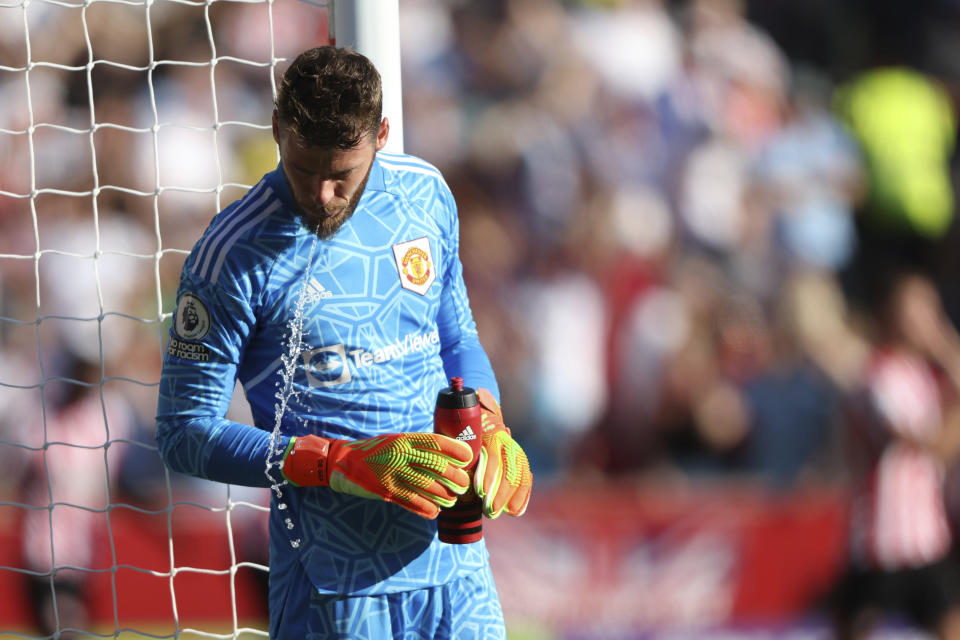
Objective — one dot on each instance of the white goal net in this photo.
(125, 126)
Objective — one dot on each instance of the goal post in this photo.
(127, 124)
(372, 27)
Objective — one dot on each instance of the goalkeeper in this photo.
(365, 243)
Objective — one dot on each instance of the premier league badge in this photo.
(192, 321)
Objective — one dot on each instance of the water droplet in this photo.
(286, 391)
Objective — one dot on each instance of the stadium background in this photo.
(670, 233)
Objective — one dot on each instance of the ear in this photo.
(276, 127)
(382, 134)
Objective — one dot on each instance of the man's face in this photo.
(326, 183)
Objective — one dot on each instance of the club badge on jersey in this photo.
(415, 264)
(191, 323)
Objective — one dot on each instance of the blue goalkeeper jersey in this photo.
(386, 323)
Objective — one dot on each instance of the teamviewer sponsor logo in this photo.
(333, 365)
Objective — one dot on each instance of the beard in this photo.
(326, 225)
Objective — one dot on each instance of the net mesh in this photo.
(125, 127)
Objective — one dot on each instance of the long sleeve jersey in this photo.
(385, 323)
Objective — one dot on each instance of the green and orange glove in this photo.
(502, 478)
(421, 472)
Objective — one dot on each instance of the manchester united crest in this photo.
(415, 264)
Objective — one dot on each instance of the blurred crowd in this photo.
(684, 225)
(702, 238)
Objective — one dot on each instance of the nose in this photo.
(325, 192)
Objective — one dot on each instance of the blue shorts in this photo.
(465, 609)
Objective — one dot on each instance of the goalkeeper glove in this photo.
(420, 472)
(502, 478)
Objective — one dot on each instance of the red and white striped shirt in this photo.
(904, 522)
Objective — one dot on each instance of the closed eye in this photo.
(342, 175)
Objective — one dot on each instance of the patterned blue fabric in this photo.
(465, 609)
(386, 323)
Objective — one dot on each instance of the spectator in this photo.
(809, 176)
(906, 432)
(905, 124)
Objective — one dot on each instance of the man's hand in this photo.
(418, 471)
(502, 478)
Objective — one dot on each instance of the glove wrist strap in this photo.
(305, 464)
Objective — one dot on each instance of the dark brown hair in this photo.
(330, 97)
